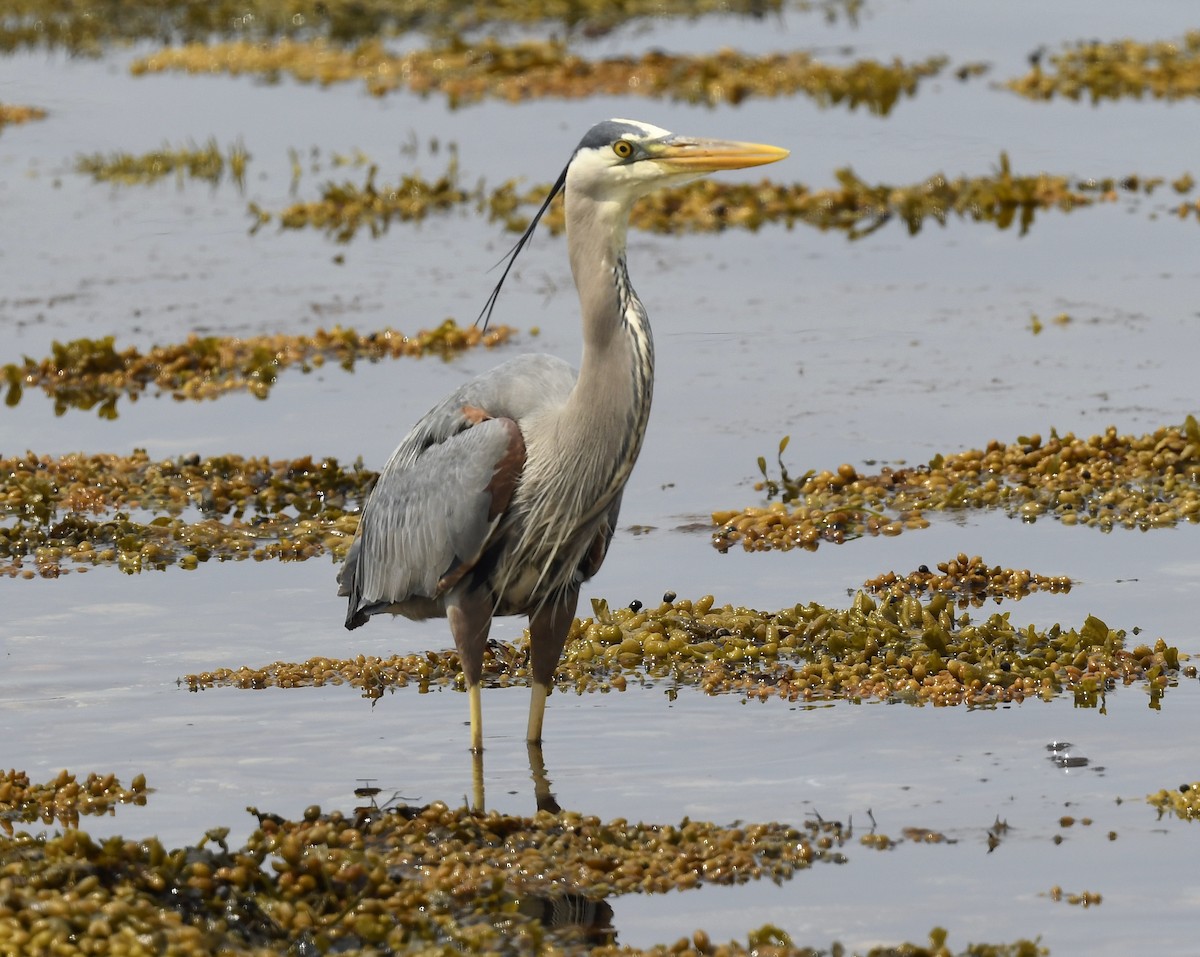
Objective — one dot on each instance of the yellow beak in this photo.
(687, 154)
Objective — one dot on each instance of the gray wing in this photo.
(443, 492)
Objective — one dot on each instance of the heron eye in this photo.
(623, 148)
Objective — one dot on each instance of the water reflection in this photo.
(574, 917)
(544, 799)
(1061, 756)
(543, 796)
(590, 919)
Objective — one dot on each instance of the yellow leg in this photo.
(537, 712)
(476, 719)
(477, 781)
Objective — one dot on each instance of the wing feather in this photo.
(444, 491)
(427, 520)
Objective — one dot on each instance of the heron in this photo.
(503, 498)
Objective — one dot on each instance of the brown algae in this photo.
(248, 508)
(1036, 326)
(1083, 899)
(298, 509)
(900, 649)
(467, 72)
(64, 799)
(1105, 481)
(93, 373)
(206, 163)
(969, 581)
(399, 880)
(87, 26)
(79, 510)
(16, 115)
(345, 208)
(1002, 198)
(1183, 801)
(405, 879)
(1163, 69)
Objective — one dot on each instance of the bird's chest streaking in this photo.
(565, 509)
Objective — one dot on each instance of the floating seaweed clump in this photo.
(164, 541)
(967, 580)
(855, 207)
(63, 799)
(1185, 210)
(205, 163)
(286, 510)
(79, 510)
(86, 26)
(901, 649)
(9, 113)
(1183, 801)
(467, 72)
(1144, 482)
(859, 208)
(90, 373)
(344, 208)
(46, 489)
(1084, 899)
(401, 880)
(1164, 69)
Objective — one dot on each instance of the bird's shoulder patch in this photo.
(474, 414)
(509, 468)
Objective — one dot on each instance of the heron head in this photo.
(623, 160)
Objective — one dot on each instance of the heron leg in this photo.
(470, 617)
(477, 781)
(548, 630)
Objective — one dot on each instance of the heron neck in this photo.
(616, 373)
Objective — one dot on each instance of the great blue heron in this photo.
(502, 500)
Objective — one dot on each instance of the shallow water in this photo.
(884, 349)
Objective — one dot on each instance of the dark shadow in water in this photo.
(585, 919)
(543, 797)
(578, 916)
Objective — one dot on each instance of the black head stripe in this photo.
(608, 132)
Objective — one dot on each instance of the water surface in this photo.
(890, 348)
